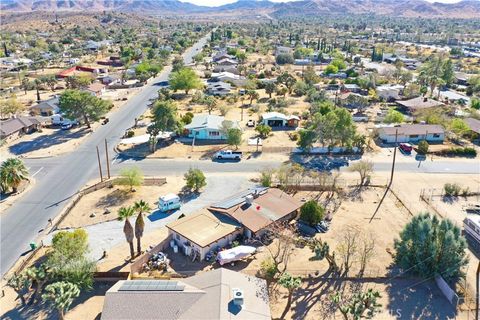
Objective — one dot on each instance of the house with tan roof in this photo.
(248, 213)
(217, 294)
(96, 89)
(14, 128)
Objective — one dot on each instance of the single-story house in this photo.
(277, 119)
(218, 88)
(199, 233)
(412, 133)
(96, 89)
(449, 96)
(227, 62)
(14, 128)
(208, 127)
(360, 117)
(110, 80)
(230, 77)
(256, 209)
(46, 108)
(419, 103)
(351, 87)
(214, 295)
(283, 50)
(222, 55)
(474, 124)
(390, 92)
(462, 78)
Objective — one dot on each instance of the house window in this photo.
(414, 136)
(214, 133)
(436, 135)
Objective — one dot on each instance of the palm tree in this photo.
(123, 214)
(140, 207)
(12, 173)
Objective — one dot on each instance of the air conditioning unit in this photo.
(238, 298)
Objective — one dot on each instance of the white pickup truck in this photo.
(228, 155)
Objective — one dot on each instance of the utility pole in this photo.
(477, 285)
(106, 156)
(99, 165)
(394, 156)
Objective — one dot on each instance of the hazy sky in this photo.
(212, 3)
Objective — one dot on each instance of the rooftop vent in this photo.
(238, 298)
(249, 199)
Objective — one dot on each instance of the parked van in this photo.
(169, 202)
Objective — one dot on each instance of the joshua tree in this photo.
(124, 213)
(40, 276)
(21, 284)
(12, 173)
(61, 295)
(140, 207)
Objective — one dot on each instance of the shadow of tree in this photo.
(114, 198)
(45, 141)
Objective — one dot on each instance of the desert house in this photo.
(247, 214)
(218, 88)
(14, 128)
(216, 294)
(413, 133)
(277, 119)
(96, 89)
(228, 77)
(390, 92)
(419, 103)
(209, 127)
(46, 108)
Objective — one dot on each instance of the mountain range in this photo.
(405, 8)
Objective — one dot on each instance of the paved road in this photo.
(60, 178)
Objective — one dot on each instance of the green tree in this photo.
(11, 106)
(306, 139)
(184, 79)
(49, 80)
(77, 104)
(140, 207)
(132, 177)
(234, 137)
(357, 305)
(12, 172)
(61, 295)
(459, 127)
(284, 58)
(423, 147)
(266, 177)
(195, 179)
(429, 246)
(331, 69)
(252, 94)
(394, 116)
(288, 80)
(164, 119)
(124, 213)
(68, 261)
(263, 130)
(39, 276)
(21, 284)
(290, 283)
(270, 87)
(311, 212)
(77, 82)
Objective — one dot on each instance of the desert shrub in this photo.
(130, 133)
(460, 152)
(451, 189)
(268, 269)
(423, 147)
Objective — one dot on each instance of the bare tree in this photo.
(282, 246)
(364, 168)
(348, 249)
(365, 252)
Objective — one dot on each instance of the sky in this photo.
(213, 3)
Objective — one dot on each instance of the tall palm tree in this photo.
(140, 207)
(123, 214)
(12, 173)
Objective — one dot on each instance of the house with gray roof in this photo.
(46, 108)
(14, 128)
(412, 133)
(209, 127)
(217, 294)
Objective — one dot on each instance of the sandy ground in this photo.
(54, 141)
(112, 199)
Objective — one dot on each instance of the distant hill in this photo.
(405, 8)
